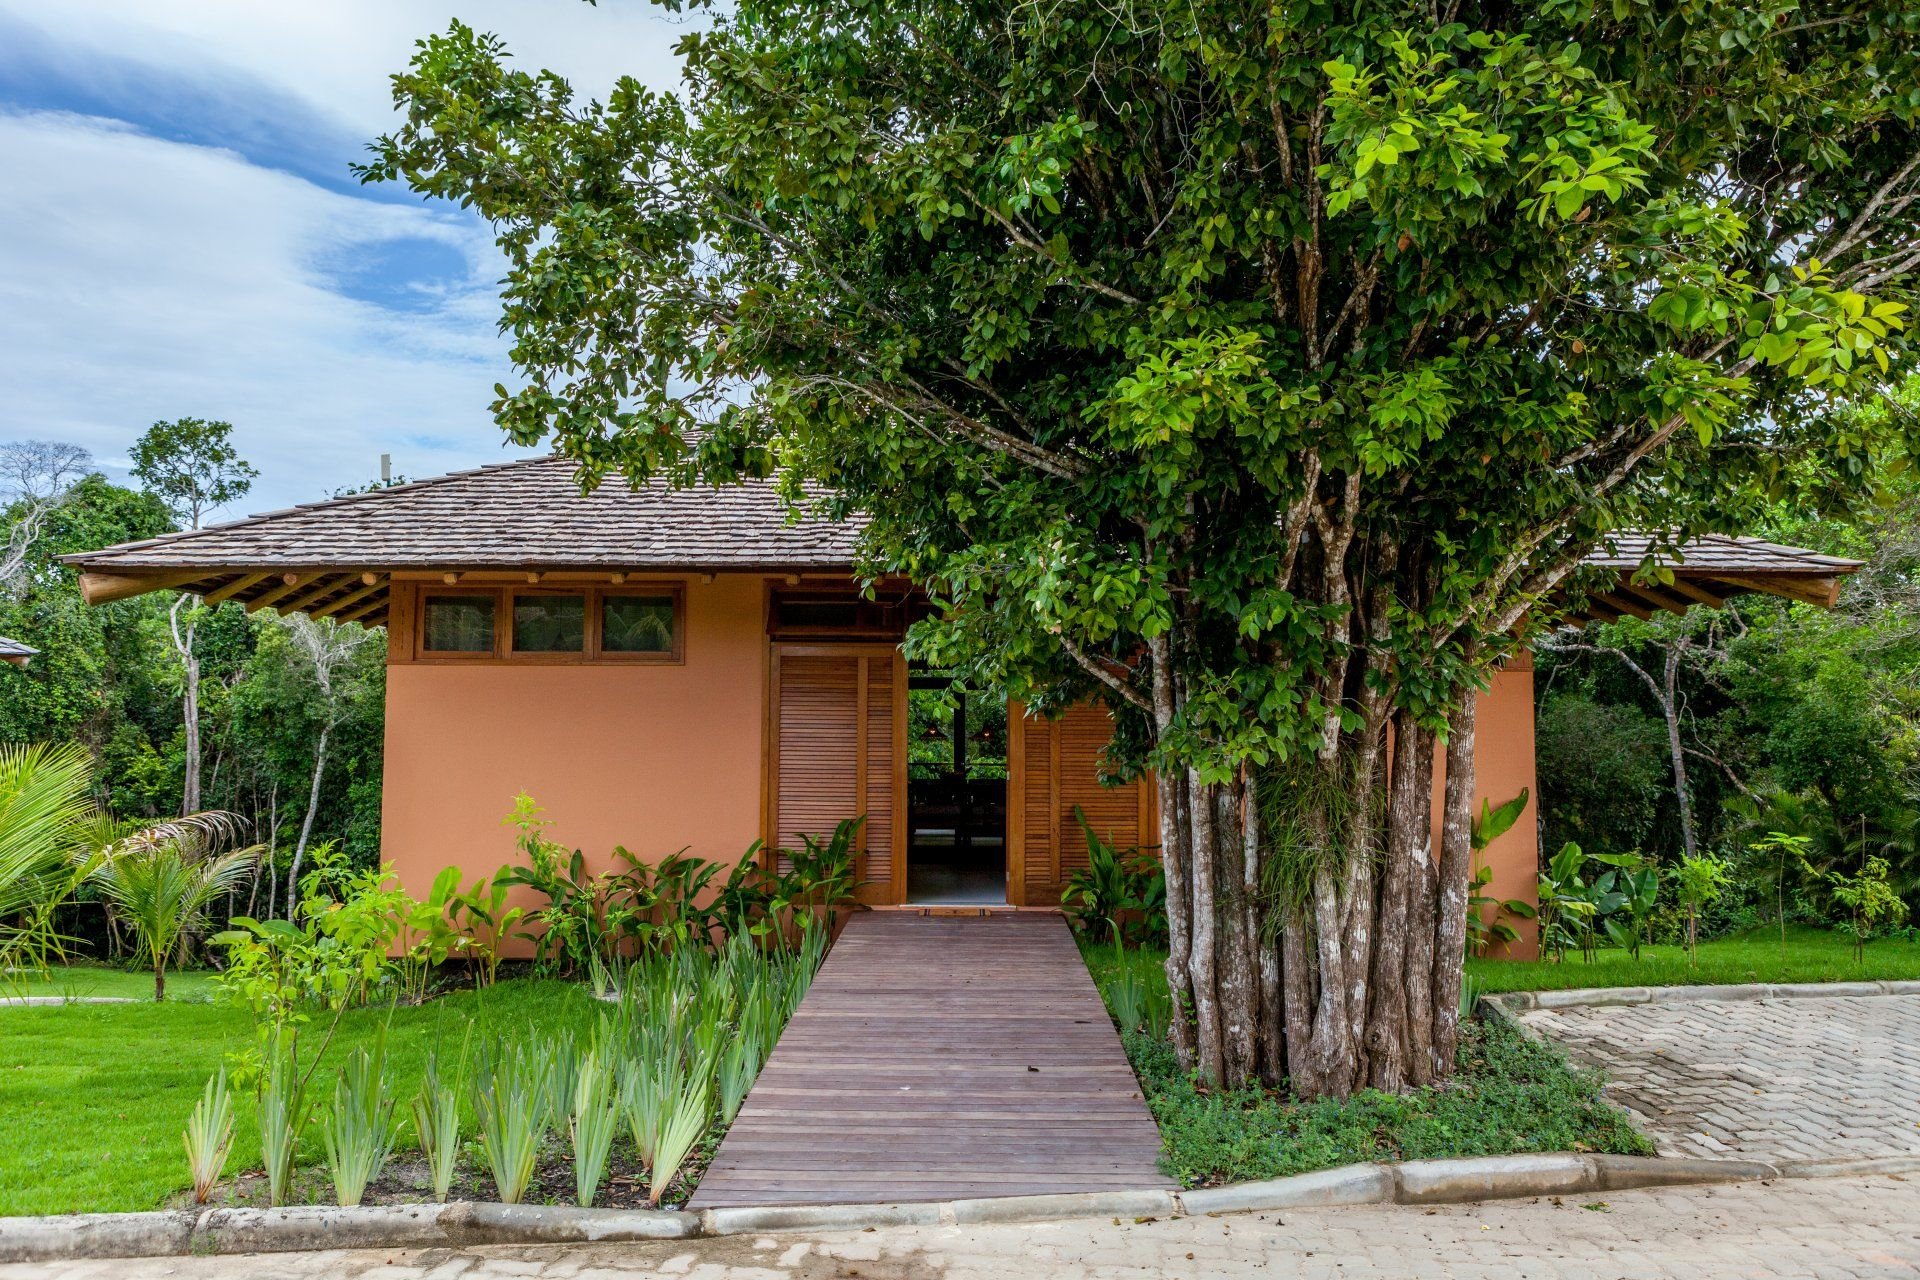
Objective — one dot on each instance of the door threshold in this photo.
(963, 908)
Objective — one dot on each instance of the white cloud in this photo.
(144, 279)
(338, 54)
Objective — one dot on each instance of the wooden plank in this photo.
(941, 1058)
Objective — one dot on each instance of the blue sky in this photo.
(180, 235)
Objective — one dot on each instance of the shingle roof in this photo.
(512, 515)
(14, 652)
(333, 557)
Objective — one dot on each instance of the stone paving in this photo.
(1817, 1078)
(1824, 1229)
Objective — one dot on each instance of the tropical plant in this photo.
(484, 920)
(594, 1120)
(1697, 883)
(1869, 900)
(1117, 888)
(572, 926)
(1628, 897)
(45, 810)
(512, 1099)
(1565, 908)
(436, 1123)
(160, 879)
(209, 1135)
(358, 1131)
(821, 878)
(1136, 1000)
(1786, 850)
(1484, 930)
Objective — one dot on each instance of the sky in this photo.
(180, 235)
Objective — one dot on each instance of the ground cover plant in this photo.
(1508, 1095)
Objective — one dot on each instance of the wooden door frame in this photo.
(895, 891)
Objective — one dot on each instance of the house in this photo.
(664, 668)
(15, 654)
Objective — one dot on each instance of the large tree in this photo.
(190, 464)
(1265, 369)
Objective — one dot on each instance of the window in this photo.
(634, 624)
(458, 623)
(560, 623)
(547, 623)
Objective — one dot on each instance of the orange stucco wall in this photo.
(1503, 766)
(653, 757)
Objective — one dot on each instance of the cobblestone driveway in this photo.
(1850, 1229)
(1786, 1079)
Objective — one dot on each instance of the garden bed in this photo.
(1510, 1095)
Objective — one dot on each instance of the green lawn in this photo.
(101, 980)
(1811, 955)
(95, 1096)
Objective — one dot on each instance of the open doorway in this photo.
(956, 793)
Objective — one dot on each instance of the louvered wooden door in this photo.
(837, 742)
(1054, 765)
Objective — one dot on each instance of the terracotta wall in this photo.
(652, 756)
(1503, 766)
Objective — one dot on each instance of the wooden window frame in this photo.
(591, 652)
(423, 654)
(597, 620)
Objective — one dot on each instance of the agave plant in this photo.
(595, 1118)
(685, 1121)
(283, 1115)
(436, 1122)
(160, 879)
(358, 1132)
(209, 1135)
(512, 1096)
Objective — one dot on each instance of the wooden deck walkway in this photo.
(940, 1058)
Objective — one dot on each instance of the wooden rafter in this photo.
(364, 612)
(352, 598)
(327, 585)
(288, 581)
(1620, 606)
(234, 586)
(1697, 593)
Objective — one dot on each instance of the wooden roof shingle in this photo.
(335, 557)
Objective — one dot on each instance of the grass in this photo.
(1509, 1095)
(96, 1095)
(1811, 955)
(104, 980)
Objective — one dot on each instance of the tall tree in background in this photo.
(1266, 369)
(325, 650)
(35, 477)
(190, 465)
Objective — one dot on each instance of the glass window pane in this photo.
(637, 624)
(549, 624)
(459, 624)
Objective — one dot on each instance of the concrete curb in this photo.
(426, 1226)
(1611, 997)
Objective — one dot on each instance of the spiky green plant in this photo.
(436, 1122)
(643, 1104)
(595, 1119)
(358, 1131)
(513, 1094)
(209, 1135)
(687, 1119)
(283, 1115)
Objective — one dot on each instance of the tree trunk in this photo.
(1670, 704)
(306, 823)
(159, 981)
(1411, 774)
(1455, 875)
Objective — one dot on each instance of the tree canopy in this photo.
(1266, 369)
